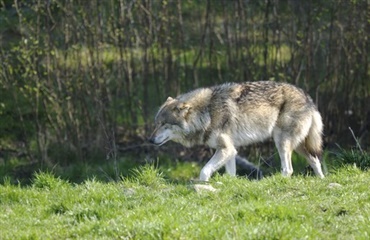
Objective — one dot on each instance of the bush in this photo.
(355, 156)
(47, 180)
(148, 175)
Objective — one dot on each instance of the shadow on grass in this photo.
(22, 172)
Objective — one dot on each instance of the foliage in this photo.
(46, 180)
(77, 77)
(354, 157)
(148, 176)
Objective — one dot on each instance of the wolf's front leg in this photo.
(222, 157)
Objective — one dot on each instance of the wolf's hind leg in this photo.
(230, 167)
(285, 152)
(286, 162)
(312, 160)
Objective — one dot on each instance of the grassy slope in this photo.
(148, 207)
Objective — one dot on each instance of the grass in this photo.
(20, 171)
(147, 206)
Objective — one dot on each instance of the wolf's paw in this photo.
(199, 188)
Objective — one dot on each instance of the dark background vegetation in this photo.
(80, 81)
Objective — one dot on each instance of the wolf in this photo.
(231, 115)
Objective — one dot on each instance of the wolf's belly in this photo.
(252, 131)
(244, 137)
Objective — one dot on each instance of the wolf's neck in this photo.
(198, 127)
(198, 121)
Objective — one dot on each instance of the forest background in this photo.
(80, 81)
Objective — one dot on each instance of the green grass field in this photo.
(147, 206)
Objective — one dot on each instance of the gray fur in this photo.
(231, 115)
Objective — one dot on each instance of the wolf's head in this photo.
(171, 122)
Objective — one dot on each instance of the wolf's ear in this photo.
(183, 108)
(169, 99)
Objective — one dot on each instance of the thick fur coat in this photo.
(231, 115)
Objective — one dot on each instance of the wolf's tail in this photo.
(313, 141)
